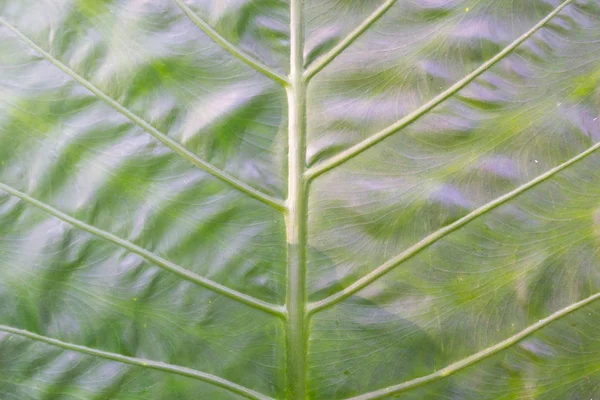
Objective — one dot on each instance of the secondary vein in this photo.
(148, 255)
(224, 43)
(141, 362)
(166, 140)
(477, 357)
(344, 44)
(366, 144)
(439, 234)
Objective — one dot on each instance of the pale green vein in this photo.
(296, 326)
(224, 43)
(322, 62)
(366, 144)
(141, 362)
(153, 258)
(439, 234)
(172, 144)
(477, 357)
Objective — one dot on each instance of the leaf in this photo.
(299, 199)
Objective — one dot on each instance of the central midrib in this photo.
(296, 324)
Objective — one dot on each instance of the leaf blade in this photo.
(140, 362)
(322, 62)
(161, 262)
(479, 356)
(366, 144)
(172, 144)
(383, 269)
(237, 53)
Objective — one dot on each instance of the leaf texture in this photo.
(299, 199)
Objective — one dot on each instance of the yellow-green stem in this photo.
(296, 325)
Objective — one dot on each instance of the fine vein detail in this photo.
(224, 43)
(166, 140)
(149, 256)
(321, 63)
(297, 324)
(439, 234)
(140, 362)
(479, 356)
(366, 144)
(297, 312)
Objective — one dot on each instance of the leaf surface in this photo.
(299, 199)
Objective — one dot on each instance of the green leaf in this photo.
(299, 199)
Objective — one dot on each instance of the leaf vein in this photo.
(344, 44)
(149, 256)
(141, 362)
(227, 45)
(166, 140)
(366, 144)
(477, 357)
(440, 233)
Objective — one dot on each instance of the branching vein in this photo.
(237, 53)
(140, 362)
(175, 146)
(344, 44)
(297, 313)
(151, 257)
(415, 115)
(439, 234)
(477, 357)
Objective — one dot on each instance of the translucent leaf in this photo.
(299, 199)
